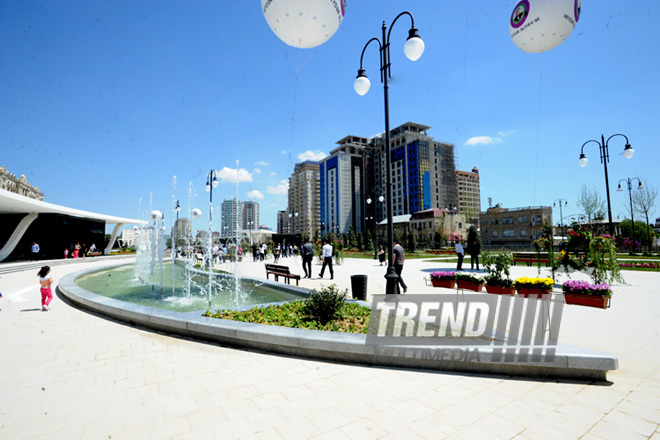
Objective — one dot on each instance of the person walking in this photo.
(381, 254)
(45, 280)
(326, 255)
(460, 253)
(276, 253)
(35, 250)
(307, 253)
(397, 252)
(474, 248)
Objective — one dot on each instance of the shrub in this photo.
(324, 305)
(460, 276)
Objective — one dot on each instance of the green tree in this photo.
(369, 241)
(411, 243)
(591, 203)
(644, 204)
(641, 233)
(352, 239)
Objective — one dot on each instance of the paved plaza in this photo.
(69, 374)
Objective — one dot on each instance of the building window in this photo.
(508, 233)
(494, 234)
(523, 233)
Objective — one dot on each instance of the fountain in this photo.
(189, 285)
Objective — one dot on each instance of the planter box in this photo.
(600, 302)
(469, 285)
(448, 283)
(500, 290)
(527, 292)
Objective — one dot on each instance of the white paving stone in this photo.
(70, 374)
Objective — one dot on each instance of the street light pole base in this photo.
(391, 280)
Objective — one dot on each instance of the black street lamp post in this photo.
(373, 219)
(561, 214)
(603, 146)
(413, 48)
(632, 214)
(211, 182)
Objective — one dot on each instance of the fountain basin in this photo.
(569, 362)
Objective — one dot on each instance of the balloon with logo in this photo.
(304, 23)
(540, 25)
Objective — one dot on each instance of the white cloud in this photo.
(311, 155)
(273, 173)
(232, 175)
(489, 140)
(257, 171)
(282, 188)
(255, 194)
(283, 152)
(482, 140)
(261, 163)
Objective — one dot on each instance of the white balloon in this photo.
(196, 213)
(304, 23)
(156, 215)
(540, 25)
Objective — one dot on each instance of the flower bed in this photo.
(534, 286)
(639, 265)
(443, 279)
(586, 294)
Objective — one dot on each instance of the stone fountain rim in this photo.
(569, 363)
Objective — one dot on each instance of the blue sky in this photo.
(102, 103)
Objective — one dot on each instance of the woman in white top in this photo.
(46, 293)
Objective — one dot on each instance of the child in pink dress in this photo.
(46, 281)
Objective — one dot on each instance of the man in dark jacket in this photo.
(307, 253)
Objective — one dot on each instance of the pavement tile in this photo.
(612, 431)
(102, 378)
(297, 429)
(328, 420)
(631, 423)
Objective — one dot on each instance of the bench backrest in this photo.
(277, 267)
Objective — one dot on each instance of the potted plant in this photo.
(534, 286)
(602, 257)
(497, 267)
(585, 294)
(469, 281)
(443, 279)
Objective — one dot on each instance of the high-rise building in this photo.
(232, 217)
(304, 211)
(469, 197)
(423, 176)
(282, 222)
(182, 229)
(423, 171)
(250, 218)
(343, 186)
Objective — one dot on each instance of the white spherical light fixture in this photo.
(304, 23)
(540, 25)
(196, 213)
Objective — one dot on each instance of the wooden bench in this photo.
(281, 271)
(530, 259)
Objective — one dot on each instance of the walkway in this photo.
(67, 374)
